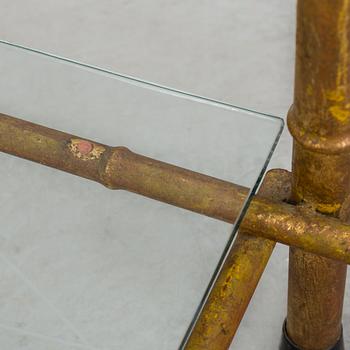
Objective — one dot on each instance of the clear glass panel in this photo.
(86, 267)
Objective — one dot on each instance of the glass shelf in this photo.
(84, 267)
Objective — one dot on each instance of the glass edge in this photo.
(230, 242)
(201, 99)
(148, 84)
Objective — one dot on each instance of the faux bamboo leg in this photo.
(319, 121)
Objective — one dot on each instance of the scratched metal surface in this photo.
(241, 52)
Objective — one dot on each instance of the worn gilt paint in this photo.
(119, 168)
(320, 124)
(340, 110)
(319, 121)
(238, 279)
(85, 150)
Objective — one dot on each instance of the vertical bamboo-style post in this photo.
(319, 121)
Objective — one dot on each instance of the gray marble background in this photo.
(240, 52)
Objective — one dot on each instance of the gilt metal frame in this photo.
(307, 209)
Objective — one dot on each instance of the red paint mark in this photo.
(84, 147)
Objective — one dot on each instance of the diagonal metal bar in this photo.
(230, 297)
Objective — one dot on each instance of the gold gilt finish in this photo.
(238, 278)
(307, 209)
(119, 168)
(319, 121)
